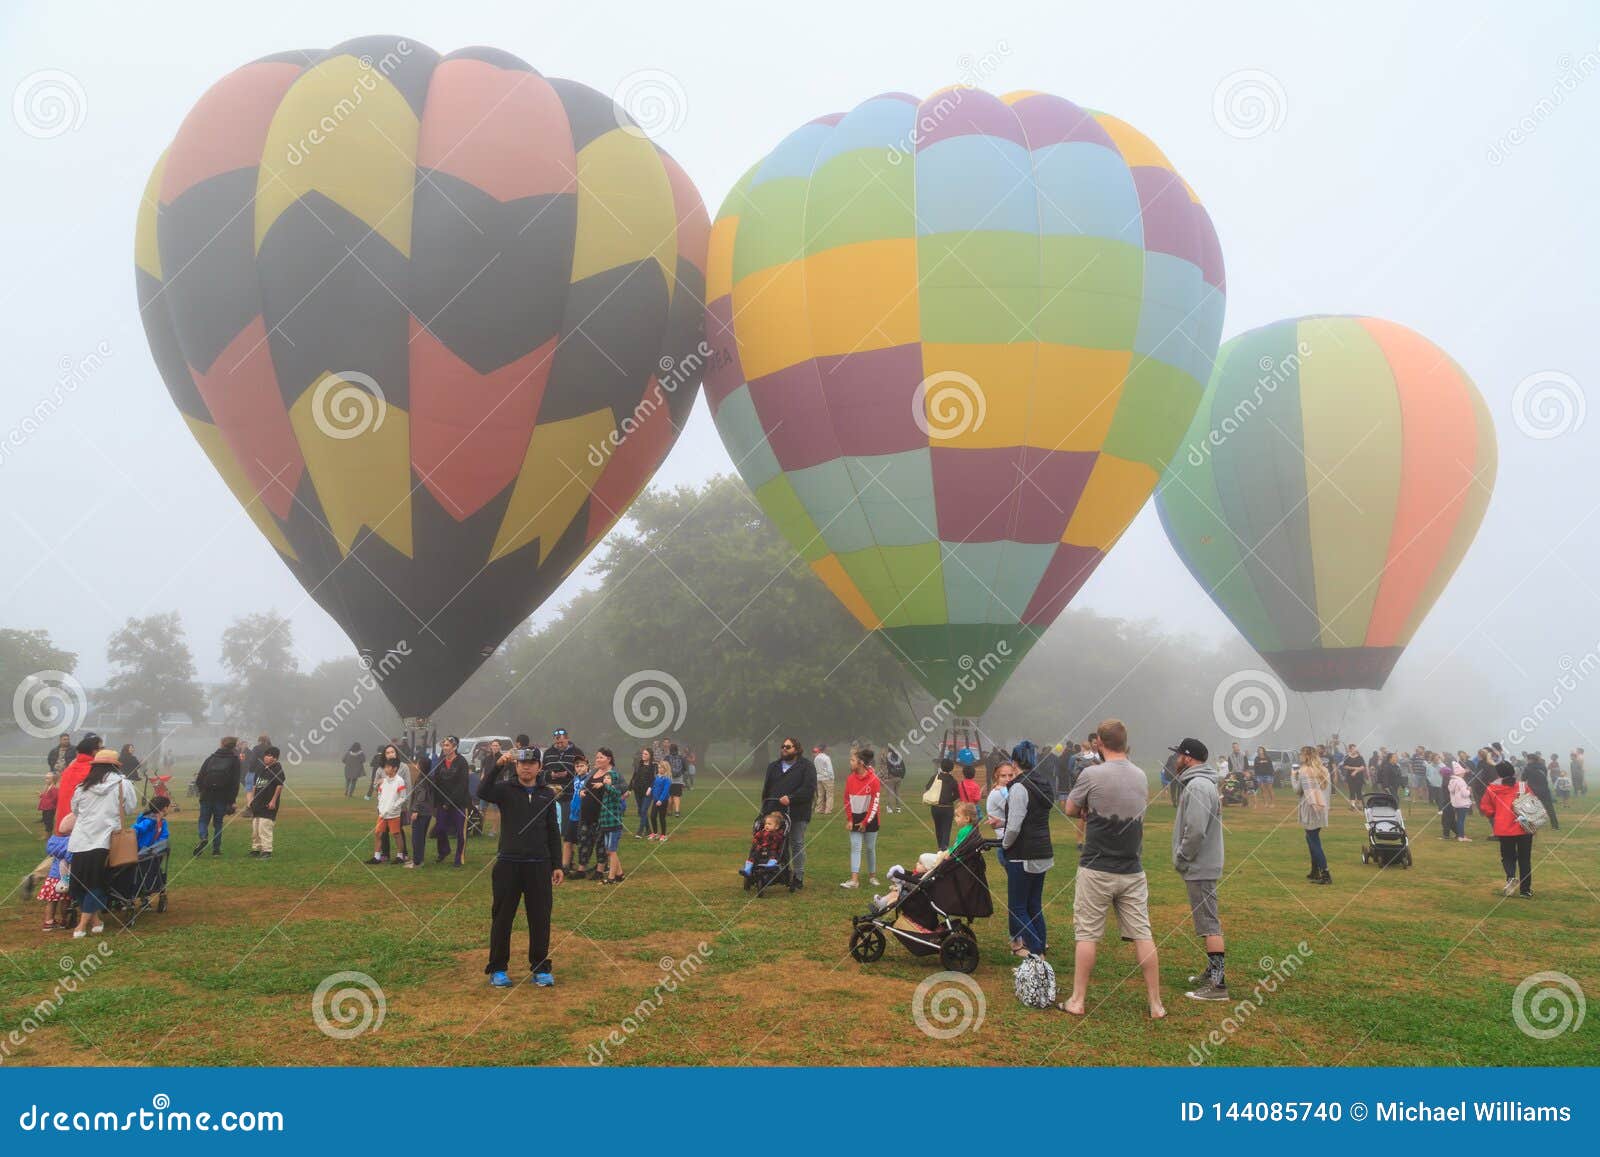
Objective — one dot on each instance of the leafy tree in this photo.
(153, 673)
(23, 654)
(265, 690)
(703, 589)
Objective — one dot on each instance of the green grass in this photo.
(1403, 968)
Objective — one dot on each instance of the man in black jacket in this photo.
(527, 867)
(558, 768)
(218, 782)
(1537, 776)
(790, 786)
(451, 779)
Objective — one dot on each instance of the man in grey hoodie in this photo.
(1197, 857)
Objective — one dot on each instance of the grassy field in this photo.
(1397, 967)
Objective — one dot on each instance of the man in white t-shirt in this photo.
(824, 766)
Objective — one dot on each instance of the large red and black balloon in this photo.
(436, 320)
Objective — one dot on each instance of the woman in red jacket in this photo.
(1516, 841)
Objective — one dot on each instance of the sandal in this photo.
(1061, 1006)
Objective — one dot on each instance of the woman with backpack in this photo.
(941, 796)
(1503, 802)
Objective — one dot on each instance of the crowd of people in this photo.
(557, 814)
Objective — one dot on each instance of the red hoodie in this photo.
(71, 777)
(1496, 804)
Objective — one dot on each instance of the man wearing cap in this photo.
(558, 768)
(823, 762)
(1197, 857)
(527, 866)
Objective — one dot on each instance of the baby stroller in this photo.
(769, 867)
(1234, 790)
(1386, 832)
(933, 912)
(130, 888)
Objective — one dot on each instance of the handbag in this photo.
(1529, 811)
(124, 841)
(933, 793)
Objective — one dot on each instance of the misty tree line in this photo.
(698, 585)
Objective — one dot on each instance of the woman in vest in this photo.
(1029, 853)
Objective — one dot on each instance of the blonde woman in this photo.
(1313, 785)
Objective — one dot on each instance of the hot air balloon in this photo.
(1328, 488)
(954, 343)
(435, 320)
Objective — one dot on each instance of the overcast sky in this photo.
(1430, 164)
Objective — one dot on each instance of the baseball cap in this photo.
(1193, 748)
(528, 755)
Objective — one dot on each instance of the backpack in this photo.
(1035, 982)
(1529, 811)
(214, 774)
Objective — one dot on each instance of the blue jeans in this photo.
(1461, 821)
(1025, 901)
(869, 841)
(641, 803)
(1319, 861)
(1014, 915)
(212, 814)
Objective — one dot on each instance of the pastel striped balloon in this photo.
(956, 341)
(1330, 485)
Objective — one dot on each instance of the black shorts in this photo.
(677, 790)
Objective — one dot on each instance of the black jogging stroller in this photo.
(761, 876)
(933, 913)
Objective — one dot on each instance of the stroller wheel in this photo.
(1364, 856)
(866, 944)
(1406, 858)
(959, 952)
(161, 903)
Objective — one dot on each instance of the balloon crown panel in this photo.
(955, 342)
(1334, 476)
(436, 320)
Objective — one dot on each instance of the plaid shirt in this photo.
(611, 807)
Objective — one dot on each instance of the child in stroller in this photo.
(930, 909)
(1234, 789)
(763, 865)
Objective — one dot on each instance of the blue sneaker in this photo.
(544, 980)
(500, 980)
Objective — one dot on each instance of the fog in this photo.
(1433, 165)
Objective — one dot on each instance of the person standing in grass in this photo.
(1459, 806)
(1314, 786)
(644, 777)
(527, 865)
(1029, 853)
(355, 762)
(660, 794)
(48, 799)
(823, 762)
(1197, 858)
(790, 786)
(262, 804)
(862, 792)
(392, 804)
(612, 804)
(452, 798)
(1516, 841)
(420, 797)
(894, 774)
(1111, 796)
(218, 782)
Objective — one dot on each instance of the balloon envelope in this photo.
(435, 320)
(955, 341)
(1333, 478)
